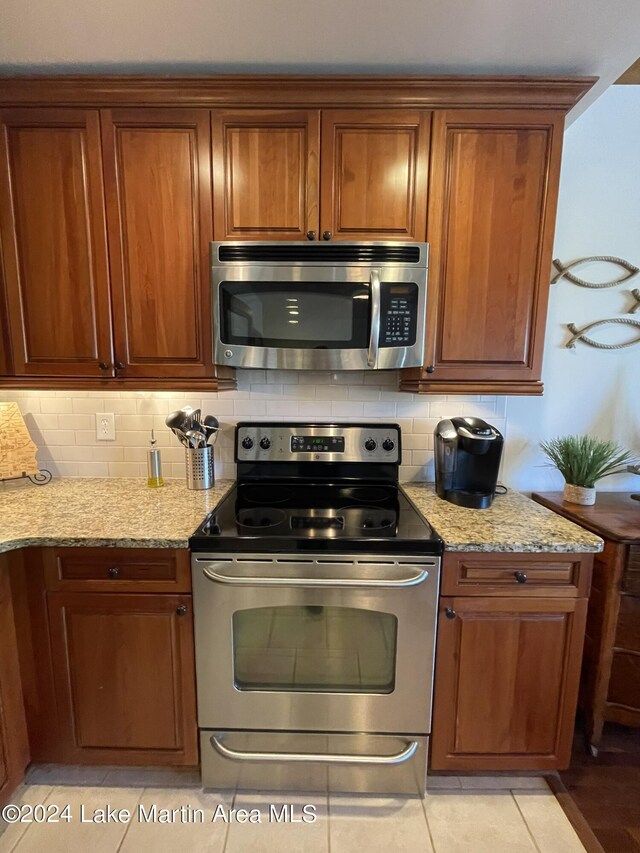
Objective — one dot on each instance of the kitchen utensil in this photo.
(195, 438)
(176, 420)
(211, 426)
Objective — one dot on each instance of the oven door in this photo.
(318, 318)
(315, 643)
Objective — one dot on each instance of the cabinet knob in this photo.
(450, 613)
(521, 577)
(327, 235)
(311, 235)
(114, 572)
(430, 368)
(120, 365)
(104, 365)
(181, 611)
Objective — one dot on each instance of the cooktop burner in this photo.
(261, 517)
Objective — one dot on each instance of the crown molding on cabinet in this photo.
(292, 91)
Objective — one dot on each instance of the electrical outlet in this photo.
(105, 426)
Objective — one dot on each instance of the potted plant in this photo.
(583, 460)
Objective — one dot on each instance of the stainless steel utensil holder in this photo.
(199, 464)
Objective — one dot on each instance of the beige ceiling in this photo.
(548, 37)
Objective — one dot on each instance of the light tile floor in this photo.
(506, 814)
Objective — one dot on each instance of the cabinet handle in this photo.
(104, 365)
(521, 577)
(120, 365)
(182, 610)
(327, 235)
(114, 572)
(311, 235)
(430, 368)
(450, 613)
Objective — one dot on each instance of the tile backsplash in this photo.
(63, 423)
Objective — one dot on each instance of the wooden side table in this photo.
(611, 663)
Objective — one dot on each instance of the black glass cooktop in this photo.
(287, 516)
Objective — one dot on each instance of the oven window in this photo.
(316, 315)
(314, 649)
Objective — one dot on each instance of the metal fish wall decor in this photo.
(563, 270)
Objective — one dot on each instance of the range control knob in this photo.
(265, 443)
(388, 445)
(370, 444)
(247, 443)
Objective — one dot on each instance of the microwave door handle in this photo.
(374, 336)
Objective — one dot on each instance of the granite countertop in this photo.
(513, 523)
(103, 512)
(126, 513)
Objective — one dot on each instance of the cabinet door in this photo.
(374, 174)
(265, 174)
(53, 242)
(506, 683)
(158, 186)
(492, 203)
(14, 747)
(124, 677)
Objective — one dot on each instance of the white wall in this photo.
(589, 390)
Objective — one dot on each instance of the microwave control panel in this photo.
(398, 314)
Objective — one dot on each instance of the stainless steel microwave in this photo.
(319, 306)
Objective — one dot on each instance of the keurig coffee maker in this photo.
(468, 453)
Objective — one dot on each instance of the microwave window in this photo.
(316, 315)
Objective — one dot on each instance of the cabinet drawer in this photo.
(562, 575)
(122, 569)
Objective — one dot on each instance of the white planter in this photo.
(579, 495)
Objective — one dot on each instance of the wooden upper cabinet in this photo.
(368, 170)
(53, 242)
(265, 174)
(158, 188)
(374, 174)
(493, 192)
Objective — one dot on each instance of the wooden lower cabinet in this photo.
(14, 747)
(507, 674)
(124, 678)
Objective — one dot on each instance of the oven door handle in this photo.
(374, 335)
(383, 583)
(317, 758)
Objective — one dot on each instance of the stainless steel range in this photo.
(315, 586)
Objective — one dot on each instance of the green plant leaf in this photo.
(583, 460)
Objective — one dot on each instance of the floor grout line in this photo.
(531, 835)
(129, 825)
(426, 820)
(228, 826)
